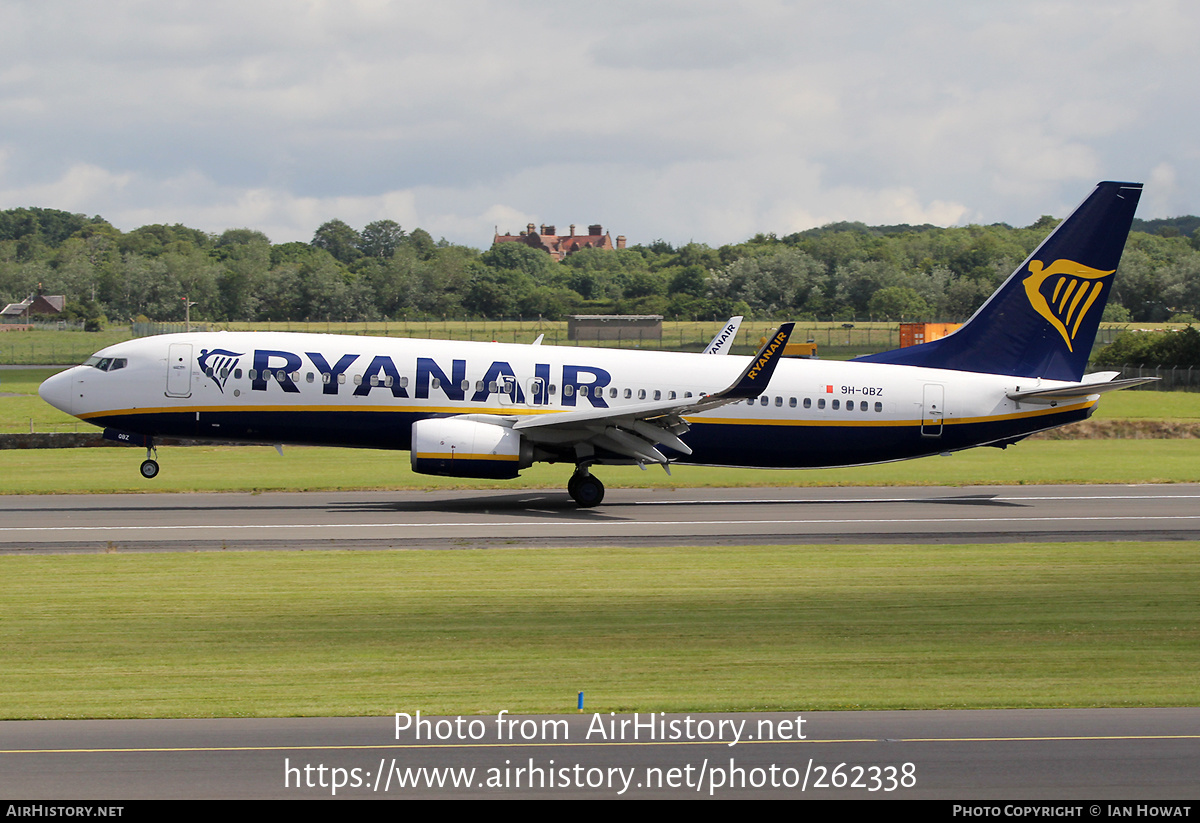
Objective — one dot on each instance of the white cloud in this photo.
(696, 120)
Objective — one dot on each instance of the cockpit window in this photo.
(106, 363)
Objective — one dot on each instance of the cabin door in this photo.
(933, 410)
(179, 370)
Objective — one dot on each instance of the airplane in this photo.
(722, 341)
(490, 410)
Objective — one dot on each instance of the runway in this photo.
(996, 757)
(644, 517)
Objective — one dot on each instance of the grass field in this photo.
(695, 629)
(259, 468)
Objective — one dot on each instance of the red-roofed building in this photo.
(559, 246)
(36, 305)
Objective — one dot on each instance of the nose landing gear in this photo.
(149, 467)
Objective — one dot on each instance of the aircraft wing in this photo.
(1099, 384)
(636, 431)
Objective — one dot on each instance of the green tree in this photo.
(341, 241)
(381, 239)
(897, 303)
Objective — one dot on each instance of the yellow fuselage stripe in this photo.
(523, 412)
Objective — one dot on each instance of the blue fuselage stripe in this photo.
(731, 444)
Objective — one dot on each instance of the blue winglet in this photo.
(757, 375)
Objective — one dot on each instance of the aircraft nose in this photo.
(56, 390)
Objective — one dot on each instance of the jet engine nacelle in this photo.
(453, 447)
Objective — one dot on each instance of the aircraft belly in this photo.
(822, 446)
(376, 430)
(785, 444)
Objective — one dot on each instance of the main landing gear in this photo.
(150, 465)
(585, 489)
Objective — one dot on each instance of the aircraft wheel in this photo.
(150, 469)
(587, 491)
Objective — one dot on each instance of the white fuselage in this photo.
(368, 391)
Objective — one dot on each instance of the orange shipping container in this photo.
(913, 334)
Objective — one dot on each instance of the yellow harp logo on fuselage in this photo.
(1070, 296)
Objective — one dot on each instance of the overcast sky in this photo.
(690, 120)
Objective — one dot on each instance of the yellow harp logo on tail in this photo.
(1064, 301)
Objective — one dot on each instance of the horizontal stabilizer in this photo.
(1077, 391)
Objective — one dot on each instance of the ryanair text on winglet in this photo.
(779, 340)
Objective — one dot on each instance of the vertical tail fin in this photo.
(1042, 321)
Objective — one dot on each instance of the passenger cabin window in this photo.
(808, 402)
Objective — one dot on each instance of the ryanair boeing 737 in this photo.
(490, 409)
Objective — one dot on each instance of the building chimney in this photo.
(529, 229)
(620, 241)
(572, 229)
(595, 230)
